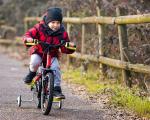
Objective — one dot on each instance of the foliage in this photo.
(89, 80)
(120, 95)
(126, 98)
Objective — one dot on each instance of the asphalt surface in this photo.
(11, 86)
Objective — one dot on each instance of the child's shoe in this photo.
(58, 93)
(29, 77)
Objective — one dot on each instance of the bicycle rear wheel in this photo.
(47, 93)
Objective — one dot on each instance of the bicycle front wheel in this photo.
(37, 93)
(47, 93)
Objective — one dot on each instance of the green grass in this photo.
(122, 96)
(88, 80)
(126, 98)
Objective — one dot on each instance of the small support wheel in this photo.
(60, 104)
(19, 101)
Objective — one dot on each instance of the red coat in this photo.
(41, 32)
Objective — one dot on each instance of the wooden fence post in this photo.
(84, 64)
(123, 43)
(83, 40)
(101, 41)
(68, 30)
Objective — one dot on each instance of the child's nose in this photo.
(55, 24)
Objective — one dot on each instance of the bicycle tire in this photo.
(37, 94)
(47, 93)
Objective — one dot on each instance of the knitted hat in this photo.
(53, 14)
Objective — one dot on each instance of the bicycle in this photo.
(43, 84)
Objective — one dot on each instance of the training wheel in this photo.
(19, 101)
(60, 104)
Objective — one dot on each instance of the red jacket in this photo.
(42, 32)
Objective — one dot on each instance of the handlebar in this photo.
(63, 43)
(36, 42)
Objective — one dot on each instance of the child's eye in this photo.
(57, 22)
(53, 22)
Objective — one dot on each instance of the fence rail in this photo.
(131, 19)
(114, 63)
(2, 22)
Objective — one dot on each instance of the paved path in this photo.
(11, 85)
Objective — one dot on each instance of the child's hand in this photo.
(70, 45)
(29, 40)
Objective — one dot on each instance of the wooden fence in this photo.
(100, 20)
(2, 22)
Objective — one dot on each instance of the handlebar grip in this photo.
(69, 46)
(35, 42)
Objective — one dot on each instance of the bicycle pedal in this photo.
(57, 99)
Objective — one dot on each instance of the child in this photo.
(50, 30)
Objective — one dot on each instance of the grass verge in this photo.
(121, 96)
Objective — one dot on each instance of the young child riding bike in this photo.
(52, 31)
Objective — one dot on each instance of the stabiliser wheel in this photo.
(60, 104)
(19, 101)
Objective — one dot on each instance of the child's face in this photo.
(54, 25)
